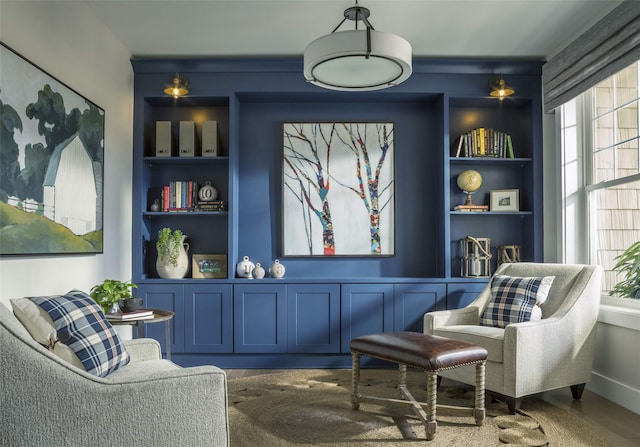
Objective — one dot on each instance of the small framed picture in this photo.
(209, 266)
(505, 200)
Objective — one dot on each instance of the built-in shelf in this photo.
(488, 160)
(244, 323)
(184, 213)
(185, 160)
(491, 213)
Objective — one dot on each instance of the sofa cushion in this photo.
(513, 299)
(76, 322)
(39, 325)
(490, 338)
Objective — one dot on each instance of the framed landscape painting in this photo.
(51, 164)
(338, 189)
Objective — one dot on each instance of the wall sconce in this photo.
(499, 88)
(178, 87)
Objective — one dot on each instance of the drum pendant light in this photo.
(357, 60)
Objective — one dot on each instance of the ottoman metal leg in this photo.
(355, 380)
(432, 393)
(479, 411)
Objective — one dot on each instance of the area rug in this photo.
(313, 408)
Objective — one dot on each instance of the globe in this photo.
(469, 181)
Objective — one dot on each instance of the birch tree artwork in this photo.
(338, 189)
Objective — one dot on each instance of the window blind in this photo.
(606, 48)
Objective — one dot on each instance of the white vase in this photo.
(244, 268)
(258, 271)
(276, 270)
(167, 270)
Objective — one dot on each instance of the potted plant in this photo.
(110, 292)
(628, 263)
(172, 261)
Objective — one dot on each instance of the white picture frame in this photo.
(505, 201)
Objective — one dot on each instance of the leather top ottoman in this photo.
(426, 352)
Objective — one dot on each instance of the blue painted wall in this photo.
(252, 98)
(417, 149)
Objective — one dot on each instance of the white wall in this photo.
(616, 375)
(550, 191)
(65, 39)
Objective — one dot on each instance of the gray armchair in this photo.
(149, 402)
(534, 356)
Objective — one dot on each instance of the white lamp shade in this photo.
(338, 61)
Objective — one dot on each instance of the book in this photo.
(509, 147)
(217, 205)
(460, 141)
(484, 142)
(180, 210)
(140, 314)
(179, 195)
(471, 208)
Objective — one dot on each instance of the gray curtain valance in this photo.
(609, 46)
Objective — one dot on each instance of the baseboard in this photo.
(616, 392)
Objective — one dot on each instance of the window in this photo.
(601, 173)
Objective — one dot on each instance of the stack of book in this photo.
(215, 205)
(140, 314)
(485, 142)
(179, 196)
(472, 208)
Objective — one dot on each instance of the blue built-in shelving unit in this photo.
(307, 318)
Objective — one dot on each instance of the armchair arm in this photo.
(186, 406)
(49, 402)
(455, 317)
(547, 354)
(142, 349)
(469, 315)
(555, 351)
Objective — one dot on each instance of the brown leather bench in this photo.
(429, 353)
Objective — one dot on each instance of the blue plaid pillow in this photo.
(81, 325)
(513, 299)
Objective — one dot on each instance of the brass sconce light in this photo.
(499, 88)
(178, 87)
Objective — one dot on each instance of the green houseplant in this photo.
(169, 244)
(110, 292)
(628, 263)
(172, 261)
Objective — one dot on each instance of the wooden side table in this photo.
(158, 316)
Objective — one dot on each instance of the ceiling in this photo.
(268, 28)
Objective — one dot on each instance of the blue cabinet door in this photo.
(208, 312)
(313, 313)
(462, 294)
(366, 309)
(412, 301)
(166, 297)
(259, 314)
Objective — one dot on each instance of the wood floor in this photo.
(617, 425)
